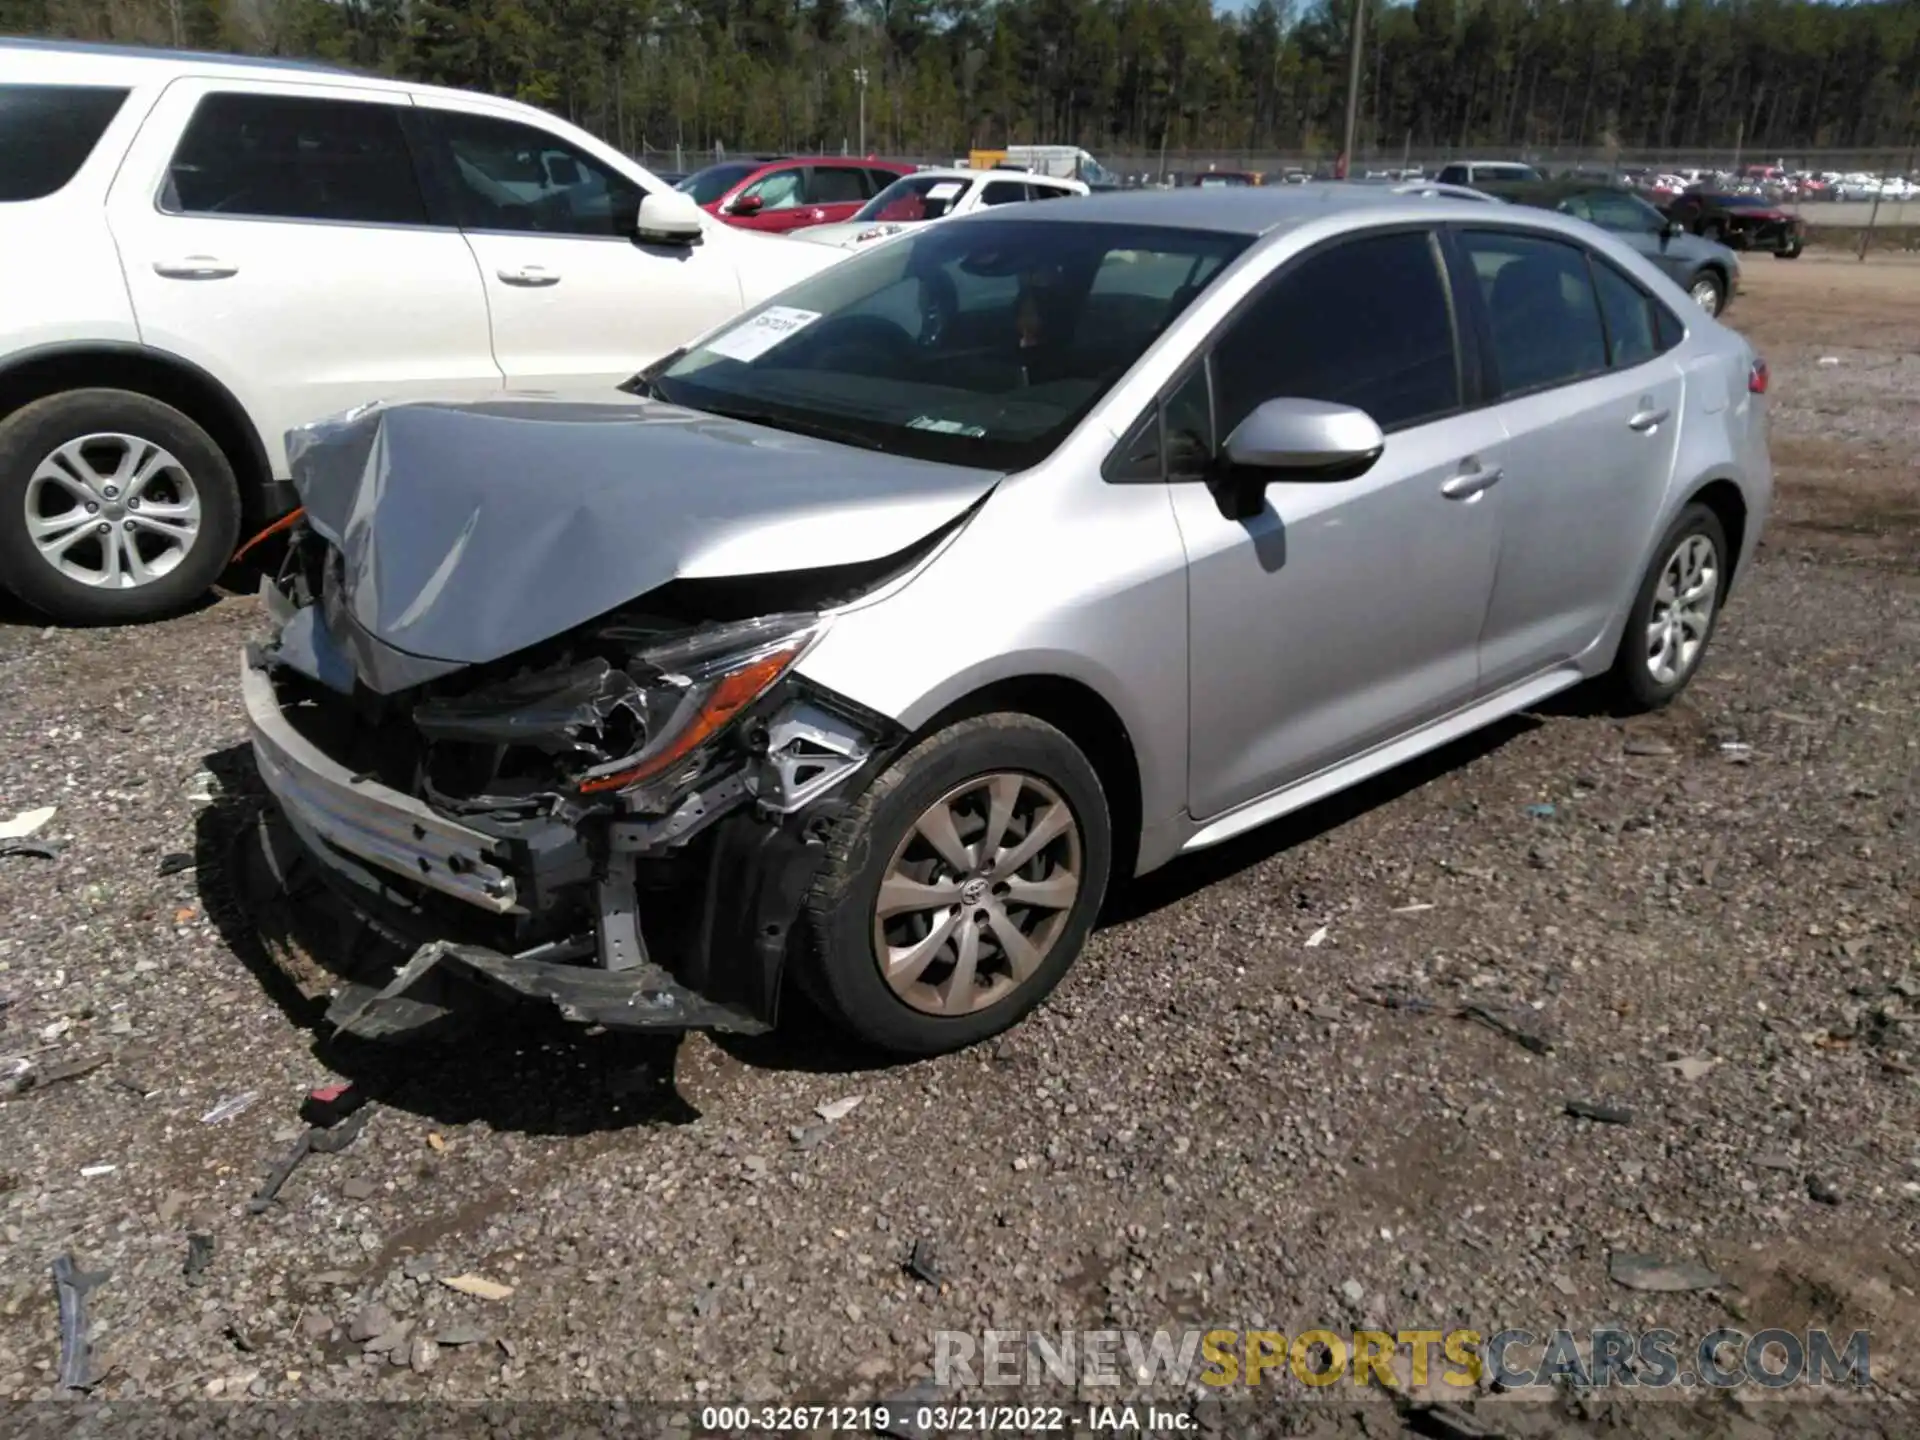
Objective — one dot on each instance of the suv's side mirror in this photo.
(668, 217)
(1299, 440)
(745, 205)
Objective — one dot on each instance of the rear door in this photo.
(1590, 401)
(276, 235)
(834, 193)
(574, 298)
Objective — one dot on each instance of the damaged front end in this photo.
(622, 821)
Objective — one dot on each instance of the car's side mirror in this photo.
(1669, 229)
(667, 217)
(745, 205)
(1295, 440)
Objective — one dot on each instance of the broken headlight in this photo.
(691, 688)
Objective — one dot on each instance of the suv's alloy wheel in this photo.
(113, 506)
(960, 887)
(1673, 612)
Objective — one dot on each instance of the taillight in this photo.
(1757, 377)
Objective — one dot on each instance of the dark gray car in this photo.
(1707, 271)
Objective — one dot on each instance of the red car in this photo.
(792, 194)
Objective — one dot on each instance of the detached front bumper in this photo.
(409, 910)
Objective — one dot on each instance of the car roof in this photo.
(131, 60)
(1244, 209)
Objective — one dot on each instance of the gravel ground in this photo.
(1217, 1120)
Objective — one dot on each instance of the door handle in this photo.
(532, 276)
(1644, 420)
(1469, 483)
(195, 267)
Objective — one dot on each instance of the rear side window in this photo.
(1633, 325)
(1004, 192)
(1541, 310)
(836, 185)
(47, 132)
(1367, 323)
(294, 158)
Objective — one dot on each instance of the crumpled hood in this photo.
(471, 530)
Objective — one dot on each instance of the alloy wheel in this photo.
(1682, 612)
(977, 894)
(112, 511)
(1706, 295)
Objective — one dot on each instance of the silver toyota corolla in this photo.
(867, 645)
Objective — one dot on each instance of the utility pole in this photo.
(860, 79)
(1353, 81)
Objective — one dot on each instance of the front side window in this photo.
(978, 344)
(509, 176)
(295, 158)
(1541, 309)
(47, 132)
(708, 185)
(1366, 322)
(782, 190)
(836, 185)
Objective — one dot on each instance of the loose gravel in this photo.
(1586, 990)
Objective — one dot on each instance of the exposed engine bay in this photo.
(621, 817)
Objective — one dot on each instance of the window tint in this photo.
(781, 190)
(295, 158)
(1452, 175)
(1627, 213)
(836, 185)
(47, 132)
(880, 180)
(509, 176)
(1366, 323)
(1003, 192)
(1540, 308)
(1046, 192)
(1633, 335)
(708, 185)
(1188, 422)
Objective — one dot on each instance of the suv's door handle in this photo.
(1469, 483)
(529, 275)
(1646, 419)
(195, 267)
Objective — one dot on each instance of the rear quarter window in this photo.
(47, 132)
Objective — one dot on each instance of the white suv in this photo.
(204, 251)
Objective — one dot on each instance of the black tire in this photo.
(1791, 253)
(1635, 690)
(1713, 230)
(844, 975)
(35, 431)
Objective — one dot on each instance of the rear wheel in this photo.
(961, 887)
(1792, 252)
(113, 507)
(1674, 612)
(1709, 292)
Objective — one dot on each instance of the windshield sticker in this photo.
(762, 332)
(945, 190)
(945, 427)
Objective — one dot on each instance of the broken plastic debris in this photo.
(1317, 938)
(478, 1286)
(1690, 1067)
(92, 1170)
(230, 1107)
(1829, 359)
(1542, 811)
(26, 823)
(833, 1110)
(1413, 909)
(76, 1358)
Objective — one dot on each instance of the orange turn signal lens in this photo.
(730, 696)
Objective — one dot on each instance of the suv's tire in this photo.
(174, 515)
(963, 772)
(1792, 252)
(1667, 633)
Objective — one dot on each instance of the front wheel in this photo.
(961, 887)
(1673, 612)
(113, 507)
(1792, 252)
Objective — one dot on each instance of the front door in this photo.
(574, 299)
(284, 245)
(1347, 612)
(1593, 422)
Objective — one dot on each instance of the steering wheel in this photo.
(873, 339)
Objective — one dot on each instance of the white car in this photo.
(206, 251)
(928, 195)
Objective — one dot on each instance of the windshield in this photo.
(915, 197)
(708, 185)
(979, 343)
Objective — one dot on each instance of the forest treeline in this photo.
(1118, 76)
